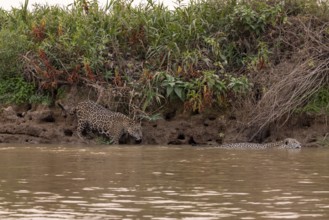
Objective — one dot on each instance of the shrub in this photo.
(318, 102)
(204, 91)
(12, 45)
(15, 90)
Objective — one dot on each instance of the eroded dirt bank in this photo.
(41, 124)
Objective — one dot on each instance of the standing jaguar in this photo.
(288, 143)
(103, 121)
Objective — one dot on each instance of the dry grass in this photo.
(310, 73)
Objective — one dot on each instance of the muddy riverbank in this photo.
(42, 124)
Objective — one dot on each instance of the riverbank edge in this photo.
(41, 124)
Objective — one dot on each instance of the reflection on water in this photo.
(72, 182)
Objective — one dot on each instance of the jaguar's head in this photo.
(292, 143)
(135, 130)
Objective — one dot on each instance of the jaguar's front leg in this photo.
(82, 125)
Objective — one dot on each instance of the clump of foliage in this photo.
(203, 91)
(318, 102)
(15, 90)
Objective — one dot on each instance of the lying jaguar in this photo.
(113, 125)
(288, 143)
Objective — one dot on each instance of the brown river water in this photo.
(154, 182)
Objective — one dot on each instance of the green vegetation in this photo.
(203, 55)
(15, 90)
(323, 142)
(318, 103)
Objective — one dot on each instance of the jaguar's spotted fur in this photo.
(288, 143)
(103, 121)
